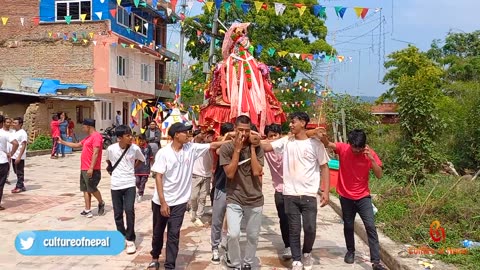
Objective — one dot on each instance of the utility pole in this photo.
(211, 55)
(182, 50)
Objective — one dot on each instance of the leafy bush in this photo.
(42, 142)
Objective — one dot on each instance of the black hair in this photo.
(225, 128)
(2, 119)
(243, 119)
(122, 130)
(302, 116)
(357, 138)
(153, 121)
(142, 137)
(196, 132)
(210, 132)
(275, 128)
(118, 112)
(19, 119)
(253, 127)
(55, 117)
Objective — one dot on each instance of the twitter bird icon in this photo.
(24, 241)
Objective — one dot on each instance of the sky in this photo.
(365, 44)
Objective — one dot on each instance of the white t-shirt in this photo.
(9, 145)
(124, 174)
(301, 165)
(203, 166)
(21, 136)
(4, 138)
(176, 168)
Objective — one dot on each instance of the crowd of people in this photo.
(196, 165)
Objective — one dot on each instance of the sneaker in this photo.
(296, 265)
(18, 190)
(131, 248)
(287, 254)
(101, 208)
(89, 214)
(139, 198)
(215, 257)
(246, 267)
(349, 257)
(307, 261)
(223, 242)
(85, 212)
(153, 266)
(378, 266)
(198, 222)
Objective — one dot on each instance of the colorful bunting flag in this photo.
(90, 34)
(271, 51)
(279, 9)
(258, 5)
(209, 6)
(128, 10)
(239, 3)
(173, 4)
(83, 17)
(99, 14)
(361, 12)
(132, 46)
(136, 28)
(245, 8)
(340, 11)
(68, 19)
(4, 20)
(119, 2)
(227, 6)
(136, 2)
(113, 12)
(94, 43)
(22, 21)
(319, 11)
(302, 9)
(123, 45)
(218, 4)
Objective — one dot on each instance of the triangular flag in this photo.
(258, 5)
(128, 10)
(282, 53)
(271, 51)
(239, 3)
(140, 45)
(83, 17)
(68, 19)
(218, 4)
(340, 11)
(128, 29)
(143, 4)
(99, 14)
(36, 20)
(146, 25)
(358, 11)
(102, 1)
(94, 43)
(136, 2)
(319, 11)
(154, 4)
(74, 39)
(279, 8)
(340, 58)
(297, 55)
(209, 6)
(119, 2)
(189, 4)
(245, 7)
(364, 13)
(136, 28)
(302, 9)
(85, 41)
(4, 20)
(259, 49)
(228, 6)
(123, 45)
(50, 34)
(90, 34)
(113, 12)
(173, 4)
(169, 11)
(132, 46)
(22, 21)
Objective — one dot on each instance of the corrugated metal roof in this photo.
(70, 98)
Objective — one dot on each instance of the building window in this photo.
(140, 22)
(74, 9)
(104, 110)
(123, 17)
(121, 66)
(109, 111)
(146, 72)
(160, 72)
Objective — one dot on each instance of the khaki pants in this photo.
(200, 190)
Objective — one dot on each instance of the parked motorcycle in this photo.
(108, 136)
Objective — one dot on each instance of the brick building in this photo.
(387, 112)
(117, 50)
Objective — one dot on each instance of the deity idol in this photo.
(240, 85)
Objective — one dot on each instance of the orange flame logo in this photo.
(437, 232)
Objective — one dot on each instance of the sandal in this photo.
(154, 265)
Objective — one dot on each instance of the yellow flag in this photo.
(358, 11)
(85, 41)
(4, 20)
(132, 45)
(83, 17)
(282, 53)
(90, 34)
(209, 6)
(136, 28)
(302, 10)
(50, 34)
(142, 130)
(144, 104)
(134, 113)
(119, 2)
(258, 5)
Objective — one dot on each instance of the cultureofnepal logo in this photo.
(437, 232)
(55, 243)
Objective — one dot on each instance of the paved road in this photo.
(53, 202)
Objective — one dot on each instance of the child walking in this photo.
(142, 171)
(124, 156)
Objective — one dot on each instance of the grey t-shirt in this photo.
(244, 189)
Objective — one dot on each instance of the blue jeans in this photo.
(61, 147)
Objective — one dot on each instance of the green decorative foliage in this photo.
(40, 143)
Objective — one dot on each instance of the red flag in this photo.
(174, 4)
(36, 20)
(113, 12)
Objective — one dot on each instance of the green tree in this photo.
(416, 83)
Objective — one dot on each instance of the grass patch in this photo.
(406, 212)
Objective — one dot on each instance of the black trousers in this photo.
(364, 208)
(19, 170)
(280, 205)
(123, 200)
(174, 224)
(4, 167)
(298, 208)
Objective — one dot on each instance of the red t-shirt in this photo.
(354, 172)
(55, 128)
(89, 143)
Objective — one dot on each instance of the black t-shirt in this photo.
(220, 177)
